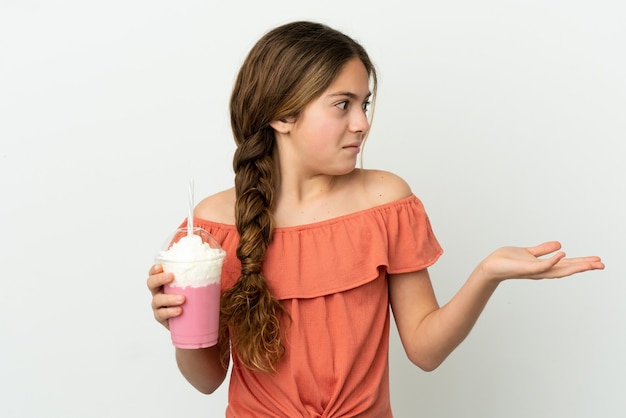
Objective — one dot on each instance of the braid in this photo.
(248, 307)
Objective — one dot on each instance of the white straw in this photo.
(190, 216)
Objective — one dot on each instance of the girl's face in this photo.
(327, 136)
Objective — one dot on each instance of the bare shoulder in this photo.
(383, 187)
(219, 207)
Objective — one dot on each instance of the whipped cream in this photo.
(193, 262)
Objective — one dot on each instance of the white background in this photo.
(508, 119)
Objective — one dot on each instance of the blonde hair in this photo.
(286, 69)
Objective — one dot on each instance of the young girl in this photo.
(318, 249)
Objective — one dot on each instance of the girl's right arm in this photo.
(201, 367)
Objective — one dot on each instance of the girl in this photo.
(318, 249)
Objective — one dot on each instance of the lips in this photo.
(355, 146)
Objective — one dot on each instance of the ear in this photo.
(282, 126)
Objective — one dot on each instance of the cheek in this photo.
(322, 136)
(320, 131)
(326, 128)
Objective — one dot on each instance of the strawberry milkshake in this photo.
(196, 262)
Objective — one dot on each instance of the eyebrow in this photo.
(349, 94)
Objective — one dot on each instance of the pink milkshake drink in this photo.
(196, 261)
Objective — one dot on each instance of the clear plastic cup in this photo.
(197, 276)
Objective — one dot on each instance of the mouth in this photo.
(354, 147)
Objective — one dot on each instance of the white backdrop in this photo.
(508, 118)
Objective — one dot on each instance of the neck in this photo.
(302, 189)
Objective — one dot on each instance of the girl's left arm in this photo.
(429, 333)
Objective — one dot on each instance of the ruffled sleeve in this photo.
(346, 252)
(412, 243)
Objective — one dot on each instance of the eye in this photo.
(366, 106)
(342, 105)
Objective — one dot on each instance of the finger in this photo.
(544, 248)
(163, 315)
(587, 259)
(583, 263)
(166, 306)
(163, 300)
(156, 281)
(579, 264)
(569, 266)
(543, 266)
(156, 268)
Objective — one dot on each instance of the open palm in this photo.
(520, 262)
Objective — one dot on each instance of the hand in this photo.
(516, 262)
(164, 306)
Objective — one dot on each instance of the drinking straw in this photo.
(190, 215)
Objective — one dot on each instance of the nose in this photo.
(359, 121)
